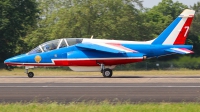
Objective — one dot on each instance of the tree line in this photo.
(24, 24)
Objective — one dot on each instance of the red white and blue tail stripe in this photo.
(176, 33)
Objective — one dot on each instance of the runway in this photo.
(61, 89)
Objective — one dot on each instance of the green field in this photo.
(100, 107)
(60, 72)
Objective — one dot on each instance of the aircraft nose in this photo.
(9, 61)
(6, 61)
(13, 60)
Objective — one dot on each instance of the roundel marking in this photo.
(38, 59)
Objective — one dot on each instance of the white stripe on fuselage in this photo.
(112, 58)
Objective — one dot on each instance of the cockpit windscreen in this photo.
(55, 44)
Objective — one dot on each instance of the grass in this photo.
(59, 72)
(100, 107)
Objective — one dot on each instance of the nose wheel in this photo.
(30, 74)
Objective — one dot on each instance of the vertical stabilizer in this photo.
(176, 33)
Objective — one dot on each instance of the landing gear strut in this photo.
(106, 72)
(30, 74)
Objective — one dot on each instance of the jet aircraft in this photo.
(84, 54)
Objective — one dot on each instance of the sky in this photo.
(151, 3)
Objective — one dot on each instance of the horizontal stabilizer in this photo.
(110, 48)
(179, 50)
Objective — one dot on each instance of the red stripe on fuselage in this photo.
(180, 40)
(94, 62)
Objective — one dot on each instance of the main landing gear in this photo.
(30, 74)
(106, 72)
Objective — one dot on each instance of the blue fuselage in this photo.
(75, 56)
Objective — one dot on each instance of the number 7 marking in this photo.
(187, 29)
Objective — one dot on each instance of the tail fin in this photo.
(176, 33)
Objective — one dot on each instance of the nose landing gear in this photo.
(30, 74)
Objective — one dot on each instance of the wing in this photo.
(179, 50)
(106, 47)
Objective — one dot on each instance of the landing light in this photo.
(144, 57)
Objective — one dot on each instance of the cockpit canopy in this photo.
(55, 44)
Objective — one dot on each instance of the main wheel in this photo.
(30, 74)
(107, 72)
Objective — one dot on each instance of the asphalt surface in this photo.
(78, 89)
